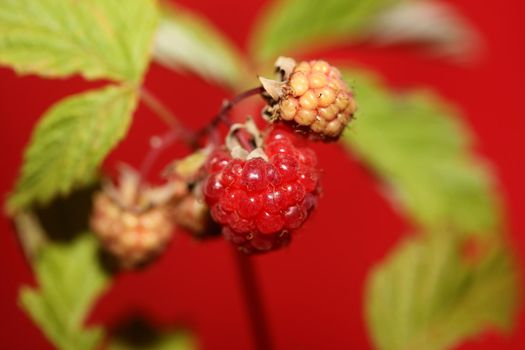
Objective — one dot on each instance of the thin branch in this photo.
(245, 142)
(158, 145)
(180, 132)
(159, 108)
(222, 115)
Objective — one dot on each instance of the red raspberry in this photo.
(260, 202)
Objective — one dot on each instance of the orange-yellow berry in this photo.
(316, 98)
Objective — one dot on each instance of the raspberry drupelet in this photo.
(260, 202)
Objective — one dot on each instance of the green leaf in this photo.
(31, 235)
(186, 41)
(167, 341)
(290, 24)
(421, 150)
(70, 142)
(70, 280)
(437, 26)
(427, 295)
(96, 38)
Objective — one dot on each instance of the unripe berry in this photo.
(133, 224)
(193, 215)
(313, 98)
(133, 237)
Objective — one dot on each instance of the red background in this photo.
(313, 291)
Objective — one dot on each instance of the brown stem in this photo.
(180, 132)
(245, 142)
(222, 115)
(258, 322)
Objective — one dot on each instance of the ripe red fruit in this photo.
(260, 202)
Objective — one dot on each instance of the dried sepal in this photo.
(236, 148)
(285, 66)
(274, 88)
(129, 193)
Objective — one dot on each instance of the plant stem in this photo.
(178, 131)
(159, 108)
(222, 115)
(158, 145)
(258, 322)
(245, 142)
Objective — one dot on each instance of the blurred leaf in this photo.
(434, 23)
(188, 168)
(95, 38)
(186, 41)
(167, 341)
(420, 148)
(69, 143)
(426, 295)
(31, 235)
(70, 280)
(290, 24)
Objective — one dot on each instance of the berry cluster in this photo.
(258, 187)
(260, 202)
(315, 99)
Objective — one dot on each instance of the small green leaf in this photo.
(167, 341)
(290, 24)
(70, 280)
(95, 38)
(186, 41)
(70, 142)
(31, 235)
(422, 151)
(426, 295)
(437, 26)
(176, 341)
